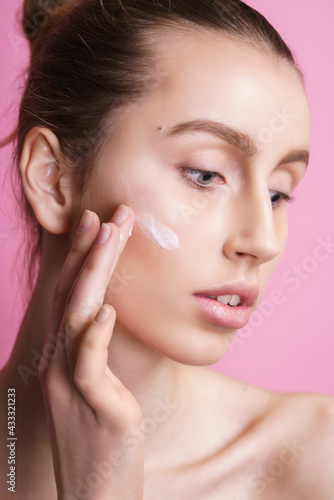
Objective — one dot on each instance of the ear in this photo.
(46, 180)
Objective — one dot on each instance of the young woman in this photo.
(151, 118)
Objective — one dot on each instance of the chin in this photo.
(200, 347)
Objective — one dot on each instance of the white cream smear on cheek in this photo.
(161, 235)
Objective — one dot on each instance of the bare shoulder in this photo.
(309, 412)
(305, 412)
(231, 388)
(306, 422)
(318, 460)
(294, 436)
(272, 445)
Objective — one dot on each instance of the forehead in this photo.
(204, 74)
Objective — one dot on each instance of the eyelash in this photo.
(186, 170)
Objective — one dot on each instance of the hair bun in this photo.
(41, 14)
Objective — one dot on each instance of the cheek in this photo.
(168, 216)
(156, 215)
(158, 232)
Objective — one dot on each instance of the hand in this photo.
(88, 409)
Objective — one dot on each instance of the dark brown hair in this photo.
(90, 57)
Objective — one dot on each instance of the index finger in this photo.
(83, 241)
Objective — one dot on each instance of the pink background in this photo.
(289, 346)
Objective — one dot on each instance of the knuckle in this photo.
(72, 322)
(80, 244)
(90, 265)
(85, 386)
(58, 293)
(53, 389)
(89, 342)
(87, 308)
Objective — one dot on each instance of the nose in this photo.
(255, 232)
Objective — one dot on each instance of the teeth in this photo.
(224, 299)
(232, 300)
(235, 300)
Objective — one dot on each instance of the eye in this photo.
(277, 199)
(200, 178)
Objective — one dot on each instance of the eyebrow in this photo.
(241, 140)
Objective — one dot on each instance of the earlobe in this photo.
(45, 180)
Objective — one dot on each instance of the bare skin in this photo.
(212, 433)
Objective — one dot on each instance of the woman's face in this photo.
(186, 238)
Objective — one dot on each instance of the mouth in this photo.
(229, 300)
(229, 305)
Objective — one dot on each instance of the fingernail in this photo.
(102, 314)
(86, 221)
(120, 215)
(103, 234)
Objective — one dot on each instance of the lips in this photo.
(223, 315)
(248, 293)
